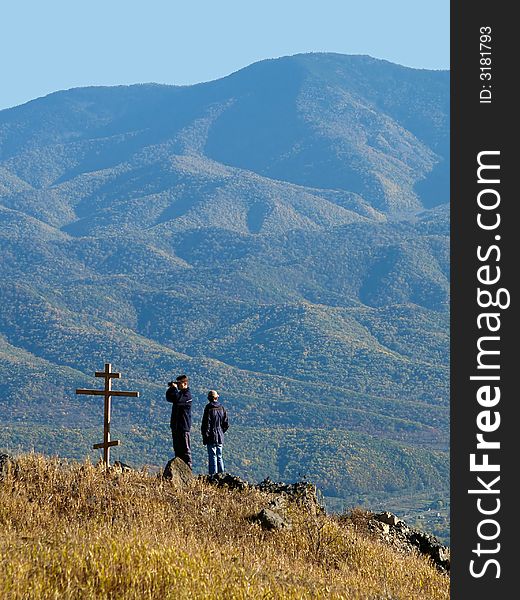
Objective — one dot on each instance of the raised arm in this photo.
(172, 394)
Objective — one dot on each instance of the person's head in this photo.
(182, 382)
(213, 396)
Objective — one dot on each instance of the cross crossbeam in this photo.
(107, 392)
(102, 393)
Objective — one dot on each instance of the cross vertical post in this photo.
(107, 392)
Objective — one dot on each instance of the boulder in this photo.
(178, 472)
(271, 520)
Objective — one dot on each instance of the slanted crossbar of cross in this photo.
(108, 393)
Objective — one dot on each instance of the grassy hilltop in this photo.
(72, 530)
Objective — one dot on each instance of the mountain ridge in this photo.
(282, 234)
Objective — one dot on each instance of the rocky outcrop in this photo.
(394, 531)
(225, 480)
(301, 491)
(178, 472)
(272, 517)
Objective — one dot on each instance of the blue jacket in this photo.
(181, 409)
(214, 423)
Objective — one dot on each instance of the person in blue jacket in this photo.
(214, 424)
(178, 393)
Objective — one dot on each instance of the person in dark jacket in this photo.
(178, 393)
(214, 424)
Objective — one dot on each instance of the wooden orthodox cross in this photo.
(108, 375)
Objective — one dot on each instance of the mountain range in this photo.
(280, 234)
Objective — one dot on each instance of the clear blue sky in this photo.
(49, 45)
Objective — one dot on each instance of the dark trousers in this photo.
(182, 446)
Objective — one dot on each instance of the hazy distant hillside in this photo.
(280, 234)
(328, 121)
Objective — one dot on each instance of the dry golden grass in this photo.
(70, 531)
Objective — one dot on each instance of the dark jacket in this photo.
(181, 409)
(214, 423)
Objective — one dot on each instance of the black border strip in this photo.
(476, 127)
